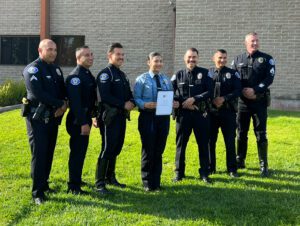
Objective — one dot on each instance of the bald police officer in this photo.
(45, 107)
(257, 70)
(81, 90)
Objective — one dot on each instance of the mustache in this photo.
(192, 61)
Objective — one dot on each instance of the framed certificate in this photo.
(164, 103)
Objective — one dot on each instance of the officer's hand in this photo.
(129, 105)
(175, 104)
(218, 101)
(59, 112)
(191, 107)
(95, 122)
(85, 130)
(188, 102)
(65, 106)
(150, 105)
(249, 93)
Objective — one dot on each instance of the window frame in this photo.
(53, 37)
(27, 50)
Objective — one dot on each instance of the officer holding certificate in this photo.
(154, 129)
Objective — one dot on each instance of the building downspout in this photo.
(45, 19)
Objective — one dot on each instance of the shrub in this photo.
(12, 92)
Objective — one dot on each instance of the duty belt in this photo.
(147, 110)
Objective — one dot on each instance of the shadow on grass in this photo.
(23, 213)
(214, 204)
(274, 174)
(194, 202)
(257, 201)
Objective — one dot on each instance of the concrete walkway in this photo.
(10, 108)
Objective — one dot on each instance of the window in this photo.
(66, 47)
(21, 50)
(18, 50)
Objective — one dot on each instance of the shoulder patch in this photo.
(237, 75)
(103, 77)
(173, 78)
(33, 78)
(32, 70)
(272, 71)
(209, 74)
(75, 81)
(272, 61)
(165, 81)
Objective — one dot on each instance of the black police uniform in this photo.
(45, 89)
(114, 90)
(228, 86)
(257, 71)
(198, 84)
(81, 92)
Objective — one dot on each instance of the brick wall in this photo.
(209, 25)
(141, 26)
(18, 18)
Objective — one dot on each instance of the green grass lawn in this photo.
(248, 200)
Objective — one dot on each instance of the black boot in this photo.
(263, 158)
(111, 174)
(100, 176)
(241, 154)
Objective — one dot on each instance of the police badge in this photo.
(199, 76)
(260, 60)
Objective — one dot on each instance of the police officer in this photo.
(81, 91)
(257, 70)
(45, 106)
(154, 129)
(193, 87)
(227, 88)
(116, 101)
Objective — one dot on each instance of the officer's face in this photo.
(220, 59)
(191, 59)
(48, 52)
(86, 58)
(116, 57)
(252, 43)
(155, 64)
